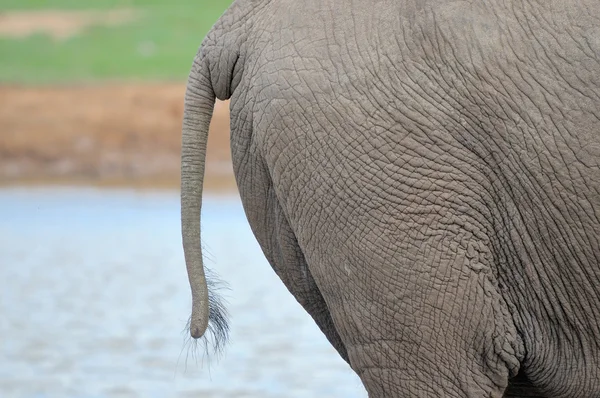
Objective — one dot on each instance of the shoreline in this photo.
(112, 134)
(213, 185)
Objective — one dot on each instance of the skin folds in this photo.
(424, 177)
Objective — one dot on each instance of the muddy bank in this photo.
(117, 134)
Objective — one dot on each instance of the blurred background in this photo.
(94, 298)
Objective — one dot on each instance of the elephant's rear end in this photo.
(435, 170)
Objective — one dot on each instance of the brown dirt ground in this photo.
(118, 134)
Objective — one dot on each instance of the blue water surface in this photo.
(94, 299)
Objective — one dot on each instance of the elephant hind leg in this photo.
(280, 246)
(288, 262)
(411, 370)
(431, 324)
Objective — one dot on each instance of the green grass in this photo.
(159, 45)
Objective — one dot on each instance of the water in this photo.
(94, 299)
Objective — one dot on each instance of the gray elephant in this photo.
(424, 177)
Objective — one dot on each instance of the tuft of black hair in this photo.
(216, 337)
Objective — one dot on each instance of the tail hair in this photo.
(217, 335)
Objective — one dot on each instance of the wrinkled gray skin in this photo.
(424, 177)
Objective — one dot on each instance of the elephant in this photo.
(424, 178)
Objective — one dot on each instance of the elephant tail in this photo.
(198, 110)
